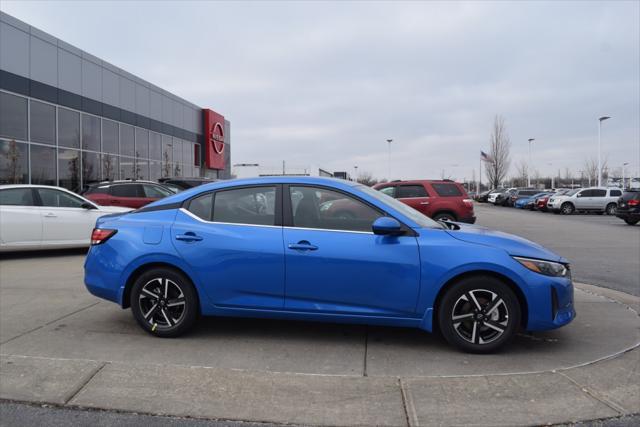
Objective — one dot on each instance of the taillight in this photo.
(99, 235)
(634, 202)
(468, 202)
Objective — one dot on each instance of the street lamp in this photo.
(600, 120)
(355, 173)
(389, 141)
(529, 168)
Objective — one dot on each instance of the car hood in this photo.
(514, 245)
(114, 209)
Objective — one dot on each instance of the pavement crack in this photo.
(49, 323)
(595, 395)
(84, 382)
(407, 405)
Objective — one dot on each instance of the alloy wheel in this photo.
(480, 316)
(162, 303)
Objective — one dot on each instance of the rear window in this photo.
(447, 190)
(406, 191)
(17, 197)
(630, 195)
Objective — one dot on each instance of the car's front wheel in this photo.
(567, 208)
(479, 314)
(164, 302)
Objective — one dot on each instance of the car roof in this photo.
(122, 181)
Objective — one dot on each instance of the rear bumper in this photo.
(628, 214)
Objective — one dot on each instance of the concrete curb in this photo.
(608, 387)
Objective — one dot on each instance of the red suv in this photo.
(440, 200)
(130, 194)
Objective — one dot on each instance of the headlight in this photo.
(548, 268)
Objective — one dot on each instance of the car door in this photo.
(415, 195)
(64, 220)
(598, 199)
(232, 240)
(335, 264)
(20, 220)
(582, 200)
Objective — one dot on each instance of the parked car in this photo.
(493, 195)
(593, 199)
(221, 250)
(522, 194)
(529, 202)
(441, 200)
(541, 202)
(628, 207)
(131, 194)
(504, 198)
(43, 217)
(186, 183)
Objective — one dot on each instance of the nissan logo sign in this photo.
(217, 137)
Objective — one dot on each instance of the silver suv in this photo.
(593, 199)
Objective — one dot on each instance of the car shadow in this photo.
(45, 253)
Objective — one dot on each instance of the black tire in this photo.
(632, 221)
(567, 208)
(458, 301)
(174, 308)
(444, 216)
(611, 209)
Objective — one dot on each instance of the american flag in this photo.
(485, 157)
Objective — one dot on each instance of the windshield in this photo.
(572, 192)
(414, 215)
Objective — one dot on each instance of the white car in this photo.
(44, 217)
(593, 199)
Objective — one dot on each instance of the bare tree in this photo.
(499, 151)
(590, 169)
(366, 178)
(522, 171)
(14, 163)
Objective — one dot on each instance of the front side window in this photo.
(155, 192)
(126, 190)
(585, 193)
(16, 197)
(254, 205)
(389, 191)
(408, 191)
(59, 199)
(314, 207)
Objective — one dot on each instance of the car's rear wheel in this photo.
(611, 209)
(444, 217)
(164, 302)
(479, 314)
(567, 208)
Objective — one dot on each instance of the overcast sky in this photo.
(327, 83)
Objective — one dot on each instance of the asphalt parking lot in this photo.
(61, 346)
(602, 249)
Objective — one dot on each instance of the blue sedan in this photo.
(528, 202)
(324, 250)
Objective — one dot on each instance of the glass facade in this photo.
(43, 143)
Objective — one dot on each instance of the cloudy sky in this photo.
(326, 83)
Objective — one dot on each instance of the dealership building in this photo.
(70, 119)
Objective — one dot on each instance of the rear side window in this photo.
(154, 191)
(17, 197)
(201, 206)
(407, 191)
(615, 193)
(254, 206)
(447, 190)
(598, 193)
(127, 190)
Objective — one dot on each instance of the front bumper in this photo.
(551, 303)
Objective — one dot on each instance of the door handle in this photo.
(115, 202)
(188, 237)
(302, 245)
(51, 215)
(424, 203)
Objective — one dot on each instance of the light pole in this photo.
(600, 120)
(355, 173)
(624, 166)
(529, 168)
(389, 141)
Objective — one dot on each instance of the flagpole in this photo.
(480, 177)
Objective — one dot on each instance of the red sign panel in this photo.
(214, 139)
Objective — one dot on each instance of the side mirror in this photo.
(86, 205)
(387, 226)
